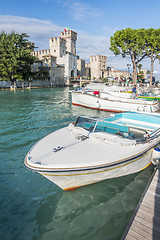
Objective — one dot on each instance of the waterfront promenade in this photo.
(145, 222)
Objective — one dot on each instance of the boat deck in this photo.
(145, 222)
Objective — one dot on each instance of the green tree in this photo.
(129, 42)
(15, 56)
(139, 67)
(152, 39)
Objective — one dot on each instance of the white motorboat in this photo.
(76, 84)
(112, 101)
(93, 150)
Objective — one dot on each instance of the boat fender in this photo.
(96, 93)
(156, 156)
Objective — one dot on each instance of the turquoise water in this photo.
(31, 207)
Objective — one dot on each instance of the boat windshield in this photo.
(86, 123)
(95, 125)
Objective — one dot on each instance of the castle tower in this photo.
(64, 48)
(57, 46)
(98, 66)
(71, 38)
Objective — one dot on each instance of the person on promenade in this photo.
(134, 92)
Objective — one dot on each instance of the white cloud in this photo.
(39, 30)
(88, 45)
(82, 11)
(108, 31)
(78, 10)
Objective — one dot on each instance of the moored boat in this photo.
(92, 150)
(112, 101)
(76, 84)
(150, 97)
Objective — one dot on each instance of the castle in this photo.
(64, 50)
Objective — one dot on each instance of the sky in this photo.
(95, 21)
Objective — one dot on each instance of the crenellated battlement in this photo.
(40, 53)
(58, 40)
(69, 34)
(98, 58)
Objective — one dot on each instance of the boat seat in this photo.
(111, 139)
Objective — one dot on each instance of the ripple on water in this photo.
(31, 207)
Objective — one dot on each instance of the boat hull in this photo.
(69, 180)
(113, 105)
(92, 150)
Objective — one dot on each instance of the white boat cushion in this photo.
(111, 139)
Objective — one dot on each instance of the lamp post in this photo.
(128, 65)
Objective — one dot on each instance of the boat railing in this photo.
(150, 137)
(154, 134)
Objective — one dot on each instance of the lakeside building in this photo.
(99, 70)
(47, 63)
(116, 73)
(144, 71)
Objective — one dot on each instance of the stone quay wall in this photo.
(24, 84)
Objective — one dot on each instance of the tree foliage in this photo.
(138, 44)
(15, 56)
(152, 39)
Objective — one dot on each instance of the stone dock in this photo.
(145, 222)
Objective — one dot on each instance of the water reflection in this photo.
(99, 211)
(31, 207)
